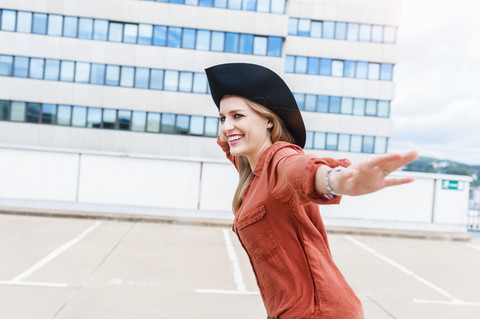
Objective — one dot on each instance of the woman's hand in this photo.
(372, 175)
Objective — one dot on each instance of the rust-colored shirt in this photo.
(280, 227)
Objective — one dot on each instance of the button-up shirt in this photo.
(280, 227)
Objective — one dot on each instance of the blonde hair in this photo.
(278, 133)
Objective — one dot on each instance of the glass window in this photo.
(263, 6)
(304, 27)
(36, 68)
(100, 29)
(64, 115)
(206, 3)
(174, 36)
(79, 116)
(365, 31)
(301, 63)
(380, 145)
(130, 33)
(188, 39)
(94, 117)
(17, 111)
(289, 64)
(334, 104)
(4, 106)
(145, 34)
(231, 41)
(160, 35)
(293, 26)
(389, 34)
(337, 68)
(309, 140)
(139, 119)
(40, 23)
(367, 144)
(328, 29)
(319, 141)
(246, 43)
(386, 72)
(168, 123)
(356, 143)
(124, 118)
(220, 3)
(189, 2)
(33, 112)
(20, 67)
(361, 70)
(235, 4)
(55, 24)
(325, 66)
(196, 125)
(274, 46)
(127, 76)
(70, 27)
(218, 41)
(203, 40)
(373, 71)
(340, 30)
(186, 79)
(310, 102)
(98, 74)
(52, 69)
(200, 83)
(300, 99)
(153, 122)
(6, 63)
(211, 126)
(332, 141)
(343, 142)
(347, 105)
(171, 80)
(85, 28)
(24, 22)
(156, 79)
(48, 113)
(278, 6)
(322, 104)
(109, 118)
(358, 106)
(377, 33)
(182, 124)
(82, 72)
(349, 69)
(316, 29)
(142, 78)
(112, 75)
(260, 45)
(383, 108)
(8, 20)
(115, 31)
(352, 32)
(249, 5)
(371, 107)
(313, 65)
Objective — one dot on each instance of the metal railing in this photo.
(473, 223)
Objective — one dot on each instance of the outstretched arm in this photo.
(365, 177)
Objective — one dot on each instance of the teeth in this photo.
(234, 138)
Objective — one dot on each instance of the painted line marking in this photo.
(473, 246)
(18, 280)
(33, 284)
(455, 302)
(226, 292)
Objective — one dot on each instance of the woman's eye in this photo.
(222, 119)
(237, 116)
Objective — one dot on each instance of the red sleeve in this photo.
(226, 149)
(292, 176)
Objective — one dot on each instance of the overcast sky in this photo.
(437, 104)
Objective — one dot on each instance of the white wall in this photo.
(205, 185)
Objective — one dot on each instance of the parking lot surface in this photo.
(69, 268)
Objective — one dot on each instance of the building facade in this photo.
(128, 75)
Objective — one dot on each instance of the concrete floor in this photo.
(80, 268)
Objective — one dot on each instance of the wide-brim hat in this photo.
(261, 85)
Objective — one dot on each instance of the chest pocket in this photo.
(257, 234)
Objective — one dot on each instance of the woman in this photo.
(277, 219)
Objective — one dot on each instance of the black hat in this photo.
(260, 85)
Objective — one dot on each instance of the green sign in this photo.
(456, 185)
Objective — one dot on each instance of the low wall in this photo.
(82, 178)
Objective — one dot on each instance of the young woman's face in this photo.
(246, 131)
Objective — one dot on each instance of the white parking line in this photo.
(473, 246)
(18, 280)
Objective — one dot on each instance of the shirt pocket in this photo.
(257, 234)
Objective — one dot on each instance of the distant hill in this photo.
(435, 165)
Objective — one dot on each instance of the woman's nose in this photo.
(227, 125)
